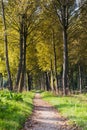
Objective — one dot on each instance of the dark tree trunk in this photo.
(42, 82)
(23, 74)
(51, 78)
(1, 80)
(20, 56)
(62, 10)
(47, 82)
(80, 79)
(55, 63)
(65, 61)
(29, 81)
(6, 48)
(65, 47)
(71, 79)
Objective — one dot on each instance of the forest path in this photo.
(45, 117)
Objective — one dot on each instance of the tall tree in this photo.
(25, 16)
(63, 10)
(6, 46)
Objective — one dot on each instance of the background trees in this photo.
(39, 51)
(78, 48)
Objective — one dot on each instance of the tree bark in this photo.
(55, 63)
(65, 61)
(20, 56)
(6, 47)
(65, 48)
(80, 79)
(42, 82)
(52, 85)
(23, 73)
(29, 81)
(63, 15)
(47, 82)
(1, 80)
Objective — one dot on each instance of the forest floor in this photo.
(46, 117)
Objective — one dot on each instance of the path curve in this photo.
(45, 117)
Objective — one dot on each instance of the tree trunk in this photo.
(1, 80)
(6, 47)
(52, 85)
(55, 84)
(65, 48)
(55, 65)
(42, 82)
(63, 16)
(80, 79)
(21, 56)
(65, 61)
(23, 74)
(29, 81)
(47, 82)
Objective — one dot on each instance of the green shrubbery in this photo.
(11, 95)
(14, 109)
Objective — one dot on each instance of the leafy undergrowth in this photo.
(14, 109)
(73, 107)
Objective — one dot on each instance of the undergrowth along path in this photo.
(45, 117)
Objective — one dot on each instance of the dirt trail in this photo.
(45, 117)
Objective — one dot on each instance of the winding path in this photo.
(45, 117)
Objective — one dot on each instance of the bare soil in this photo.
(45, 117)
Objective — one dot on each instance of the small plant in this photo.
(11, 96)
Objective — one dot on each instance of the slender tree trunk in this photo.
(25, 39)
(71, 80)
(80, 79)
(65, 48)
(29, 81)
(20, 56)
(63, 15)
(1, 80)
(52, 85)
(55, 65)
(47, 82)
(6, 47)
(23, 74)
(65, 61)
(42, 82)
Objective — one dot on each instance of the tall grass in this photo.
(14, 109)
(73, 107)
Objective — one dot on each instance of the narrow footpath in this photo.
(45, 117)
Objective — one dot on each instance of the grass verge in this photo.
(14, 109)
(73, 107)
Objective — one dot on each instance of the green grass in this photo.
(14, 109)
(73, 107)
